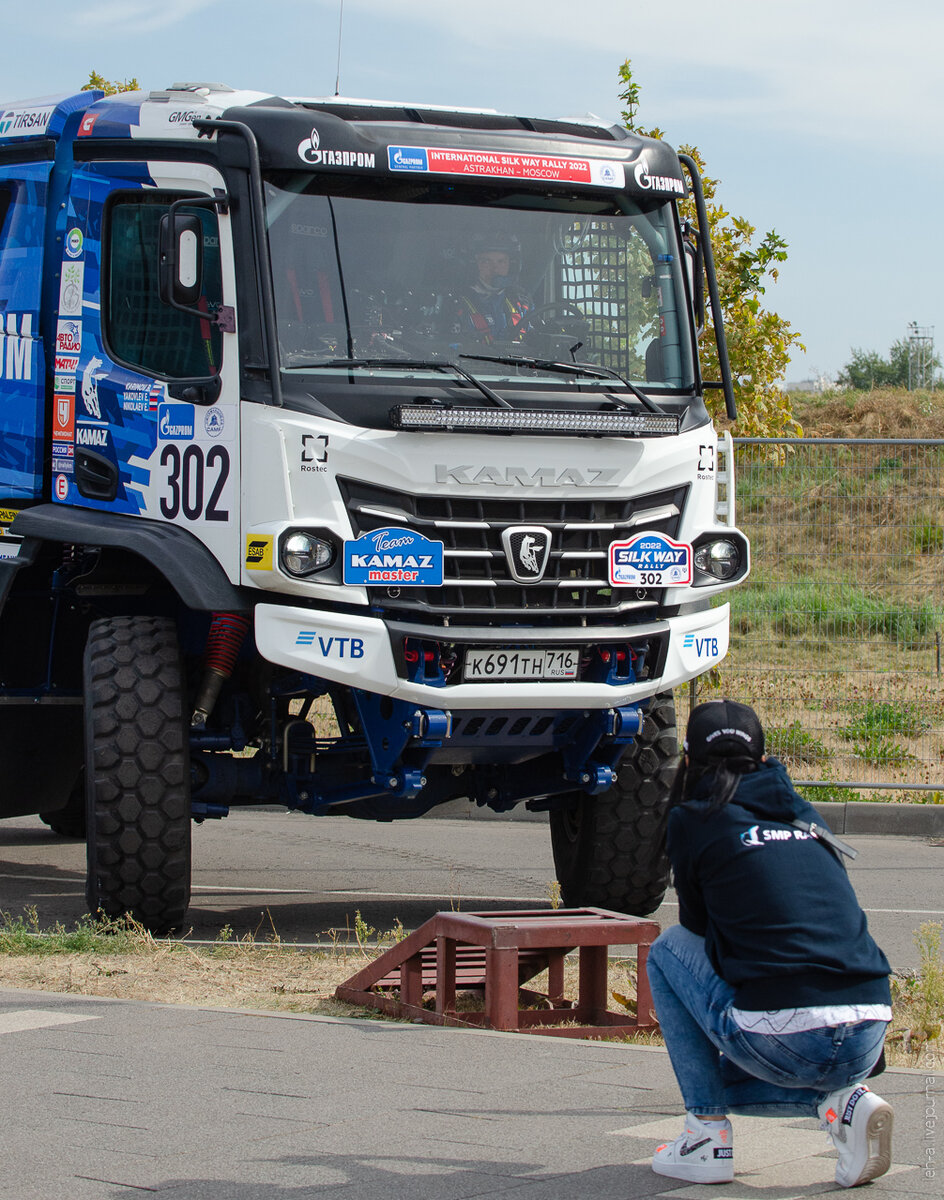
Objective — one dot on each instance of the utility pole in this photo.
(920, 356)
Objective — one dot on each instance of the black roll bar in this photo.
(263, 262)
(714, 296)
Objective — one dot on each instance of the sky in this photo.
(822, 119)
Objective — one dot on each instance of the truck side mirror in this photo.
(695, 266)
(181, 259)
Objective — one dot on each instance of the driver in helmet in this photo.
(493, 308)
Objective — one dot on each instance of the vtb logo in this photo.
(527, 549)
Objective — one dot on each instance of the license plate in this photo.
(486, 666)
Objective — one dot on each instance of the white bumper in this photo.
(356, 651)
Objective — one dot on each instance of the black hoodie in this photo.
(779, 917)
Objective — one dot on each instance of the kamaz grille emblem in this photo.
(527, 549)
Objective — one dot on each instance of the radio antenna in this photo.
(337, 83)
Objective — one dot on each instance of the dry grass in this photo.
(273, 977)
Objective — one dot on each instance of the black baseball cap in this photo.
(722, 728)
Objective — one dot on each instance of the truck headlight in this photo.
(302, 553)
(721, 559)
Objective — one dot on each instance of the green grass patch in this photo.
(878, 720)
(830, 610)
(796, 743)
(830, 793)
(23, 935)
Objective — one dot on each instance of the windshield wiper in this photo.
(420, 364)
(575, 368)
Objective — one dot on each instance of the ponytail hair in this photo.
(710, 781)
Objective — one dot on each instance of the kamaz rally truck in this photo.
(353, 458)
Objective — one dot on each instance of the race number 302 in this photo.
(194, 480)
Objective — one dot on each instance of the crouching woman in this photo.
(772, 996)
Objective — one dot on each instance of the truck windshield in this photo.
(369, 275)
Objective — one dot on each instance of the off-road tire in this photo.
(137, 772)
(609, 849)
(70, 820)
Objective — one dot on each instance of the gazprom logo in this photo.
(407, 158)
(175, 422)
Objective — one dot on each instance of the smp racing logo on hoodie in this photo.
(755, 836)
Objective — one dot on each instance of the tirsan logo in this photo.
(17, 362)
(522, 477)
(659, 183)
(175, 422)
(26, 121)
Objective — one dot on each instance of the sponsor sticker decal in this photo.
(330, 647)
(658, 183)
(68, 339)
(258, 552)
(87, 124)
(506, 166)
(396, 557)
(8, 514)
(62, 487)
(650, 560)
(175, 422)
(310, 151)
(23, 122)
(74, 242)
(63, 424)
(213, 422)
(92, 435)
(70, 289)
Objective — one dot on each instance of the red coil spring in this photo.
(227, 631)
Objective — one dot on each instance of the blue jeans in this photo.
(720, 1068)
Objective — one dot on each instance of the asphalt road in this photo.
(302, 877)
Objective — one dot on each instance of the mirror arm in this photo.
(224, 317)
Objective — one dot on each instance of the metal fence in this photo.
(836, 635)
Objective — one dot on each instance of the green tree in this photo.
(98, 83)
(866, 370)
(759, 340)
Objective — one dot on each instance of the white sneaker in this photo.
(704, 1153)
(860, 1127)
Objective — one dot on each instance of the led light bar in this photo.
(523, 420)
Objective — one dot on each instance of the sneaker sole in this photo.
(878, 1132)
(693, 1174)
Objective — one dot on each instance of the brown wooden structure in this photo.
(496, 953)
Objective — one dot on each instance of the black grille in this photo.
(478, 585)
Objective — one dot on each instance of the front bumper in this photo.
(356, 651)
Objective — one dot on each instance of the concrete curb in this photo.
(857, 816)
(866, 816)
